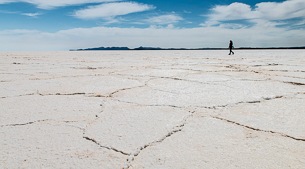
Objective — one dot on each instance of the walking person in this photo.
(231, 47)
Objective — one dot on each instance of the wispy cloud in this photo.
(34, 15)
(110, 10)
(165, 19)
(50, 4)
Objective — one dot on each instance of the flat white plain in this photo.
(152, 109)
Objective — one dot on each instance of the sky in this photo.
(48, 25)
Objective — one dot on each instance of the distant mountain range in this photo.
(158, 48)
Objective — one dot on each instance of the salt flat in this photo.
(153, 109)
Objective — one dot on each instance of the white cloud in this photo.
(279, 11)
(50, 4)
(31, 14)
(264, 13)
(18, 40)
(234, 11)
(165, 19)
(109, 10)
(34, 15)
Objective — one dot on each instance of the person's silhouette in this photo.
(231, 47)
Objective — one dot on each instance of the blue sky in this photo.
(70, 24)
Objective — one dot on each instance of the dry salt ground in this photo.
(153, 109)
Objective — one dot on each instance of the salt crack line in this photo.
(167, 77)
(49, 94)
(29, 94)
(106, 147)
(176, 129)
(23, 124)
(257, 129)
(62, 77)
(123, 89)
(151, 105)
(188, 80)
(300, 93)
(63, 94)
(295, 83)
(166, 105)
(74, 94)
(242, 102)
(261, 100)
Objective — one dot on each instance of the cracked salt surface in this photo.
(52, 145)
(286, 118)
(206, 142)
(26, 109)
(152, 109)
(129, 127)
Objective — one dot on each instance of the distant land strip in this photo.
(158, 48)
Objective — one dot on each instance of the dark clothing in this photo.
(231, 47)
